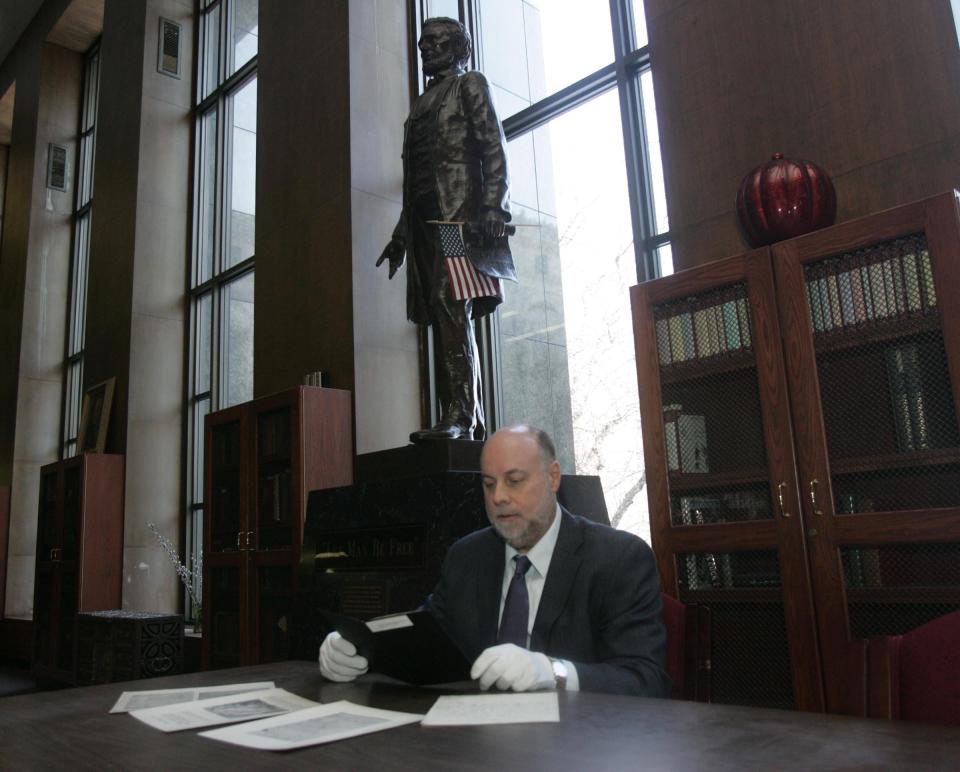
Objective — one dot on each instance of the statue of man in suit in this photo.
(454, 170)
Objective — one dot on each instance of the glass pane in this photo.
(894, 441)
(207, 197)
(224, 504)
(203, 342)
(274, 480)
(200, 410)
(225, 619)
(91, 92)
(210, 52)
(238, 340)
(47, 531)
(243, 32)
(195, 556)
(86, 169)
(532, 50)
(67, 612)
(448, 8)
(743, 652)
(894, 588)
(274, 598)
(665, 259)
(653, 145)
(78, 300)
(713, 429)
(70, 534)
(566, 340)
(640, 23)
(73, 396)
(243, 173)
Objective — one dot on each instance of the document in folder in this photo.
(410, 646)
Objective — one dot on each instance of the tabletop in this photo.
(72, 727)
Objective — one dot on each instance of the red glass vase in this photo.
(782, 199)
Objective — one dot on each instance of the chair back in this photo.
(916, 676)
(675, 620)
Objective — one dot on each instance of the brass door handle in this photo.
(783, 509)
(813, 496)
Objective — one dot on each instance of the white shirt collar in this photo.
(541, 552)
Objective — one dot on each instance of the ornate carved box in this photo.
(126, 645)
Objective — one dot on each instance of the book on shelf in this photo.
(686, 440)
(907, 397)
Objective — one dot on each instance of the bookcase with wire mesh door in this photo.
(261, 460)
(802, 447)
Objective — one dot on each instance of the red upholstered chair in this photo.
(916, 676)
(675, 620)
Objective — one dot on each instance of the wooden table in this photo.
(71, 729)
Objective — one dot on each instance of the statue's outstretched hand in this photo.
(492, 224)
(394, 252)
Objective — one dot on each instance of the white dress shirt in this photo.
(540, 555)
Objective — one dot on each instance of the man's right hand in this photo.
(339, 660)
(394, 252)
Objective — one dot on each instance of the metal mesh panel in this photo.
(893, 588)
(715, 451)
(893, 437)
(745, 649)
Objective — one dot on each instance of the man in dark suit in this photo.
(590, 615)
(454, 170)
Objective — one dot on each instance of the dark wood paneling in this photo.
(304, 278)
(866, 89)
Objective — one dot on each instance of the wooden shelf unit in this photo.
(261, 459)
(79, 561)
(848, 394)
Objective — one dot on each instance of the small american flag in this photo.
(466, 282)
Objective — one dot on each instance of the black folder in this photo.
(410, 646)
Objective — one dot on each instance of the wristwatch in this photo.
(559, 674)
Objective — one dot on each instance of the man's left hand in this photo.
(509, 667)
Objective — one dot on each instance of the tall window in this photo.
(222, 277)
(574, 90)
(79, 261)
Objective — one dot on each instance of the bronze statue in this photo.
(455, 171)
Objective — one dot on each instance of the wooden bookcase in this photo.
(802, 446)
(79, 554)
(261, 459)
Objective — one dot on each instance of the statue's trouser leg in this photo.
(457, 362)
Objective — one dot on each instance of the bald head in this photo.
(520, 481)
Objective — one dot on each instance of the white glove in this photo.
(339, 660)
(510, 667)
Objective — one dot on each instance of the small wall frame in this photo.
(95, 417)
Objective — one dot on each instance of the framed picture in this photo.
(95, 417)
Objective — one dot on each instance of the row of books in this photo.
(704, 331)
(853, 289)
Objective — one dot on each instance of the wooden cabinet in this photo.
(261, 460)
(802, 446)
(79, 554)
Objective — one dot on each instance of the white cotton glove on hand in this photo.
(339, 660)
(509, 667)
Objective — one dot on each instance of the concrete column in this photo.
(46, 111)
(138, 259)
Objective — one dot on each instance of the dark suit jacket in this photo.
(471, 177)
(600, 606)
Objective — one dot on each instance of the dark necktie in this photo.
(516, 609)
